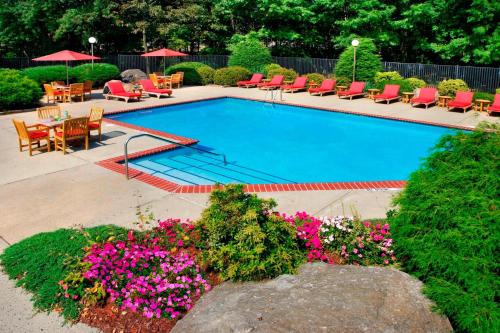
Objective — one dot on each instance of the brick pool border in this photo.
(115, 163)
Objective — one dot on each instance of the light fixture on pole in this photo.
(92, 41)
(355, 44)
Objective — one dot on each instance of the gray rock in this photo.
(133, 75)
(321, 298)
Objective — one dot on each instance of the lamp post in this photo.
(92, 41)
(355, 44)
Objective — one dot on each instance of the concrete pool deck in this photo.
(52, 190)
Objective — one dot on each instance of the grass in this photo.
(41, 261)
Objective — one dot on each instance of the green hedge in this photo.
(288, 73)
(447, 228)
(367, 61)
(99, 75)
(387, 76)
(415, 83)
(207, 75)
(404, 86)
(267, 68)
(315, 77)
(17, 91)
(484, 95)
(228, 76)
(192, 76)
(249, 52)
(47, 74)
(450, 87)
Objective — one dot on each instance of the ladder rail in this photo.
(125, 146)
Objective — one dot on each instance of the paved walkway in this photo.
(50, 191)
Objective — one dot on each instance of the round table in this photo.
(407, 96)
(372, 92)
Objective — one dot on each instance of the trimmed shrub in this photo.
(497, 91)
(387, 76)
(404, 86)
(190, 69)
(17, 91)
(446, 228)
(415, 83)
(99, 75)
(207, 75)
(315, 77)
(249, 52)
(270, 67)
(367, 61)
(41, 261)
(343, 81)
(245, 239)
(450, 87)
(47, 74)
(228, 76)
(289, 74)
(483, 95)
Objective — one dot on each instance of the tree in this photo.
(367, 61)
(249, 52)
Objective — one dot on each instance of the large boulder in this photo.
(133, 75)
(321, 298)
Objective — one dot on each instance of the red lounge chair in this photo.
(426, 96)
(327, 86)
(254, 81)
(356, 89)
(275, 83)
(495, 107)
(390, 93)
(116, 90)
(149, 88)
(299, 84)
(463, 100)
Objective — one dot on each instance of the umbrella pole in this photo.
(67, 75)
(164, 59)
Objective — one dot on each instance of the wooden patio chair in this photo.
(32, 134)
(95, 120)
(175, 79)
(57, 83)
(87, 88)
(47, 112)
(75, 90)
(52, 94)
(156, 81)
(182, 78)
(73, 129)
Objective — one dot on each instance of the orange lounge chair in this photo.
(426, 96)
(95, 120)
(72, 129)
(356, 89)
(327, 86)
(298, 85)
(32, 134)
(150, 89)
(116, 90)
(463, 100)
(254, 81)
(390, 93)
(495, 107)
(275, 83)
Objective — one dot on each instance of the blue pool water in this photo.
(267, 143)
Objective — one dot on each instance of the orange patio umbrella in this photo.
(164, 53)
(66, 56)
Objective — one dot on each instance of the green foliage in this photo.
(245, 239)
(18, 91)
(192, 75)
(249, 52)
(270, 67)
(207, 75)
(404, 86)
(41, 261)
(387, 76)
(483, 95)
(288, 73)
(497, 91)
(415, 83)
(315, 77)
(47, 74)
(367, 61)
(450, 87)
(342, 81)
(100, 74)
(228, 76)
(446, 228)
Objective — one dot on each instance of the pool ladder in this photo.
(125, 147)
(274, 95)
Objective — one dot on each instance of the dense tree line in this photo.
(439, 31)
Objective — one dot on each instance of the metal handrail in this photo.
(166, 140)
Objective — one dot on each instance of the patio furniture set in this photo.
(57, 91)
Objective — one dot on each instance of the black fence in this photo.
(479, 78)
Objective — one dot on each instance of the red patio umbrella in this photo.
(66, 56)
(164, 53)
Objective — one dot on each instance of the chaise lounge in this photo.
(426, 96)
(150, 89)
(298, 85)
(356, 89)
(463, 100)
(117, 91)
(390, 93)
(275, 83)
(327, 86)
(254, 81)
(495, 107)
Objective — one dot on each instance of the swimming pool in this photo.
(280, 144)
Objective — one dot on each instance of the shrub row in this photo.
(18, 91)
(195, 73)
